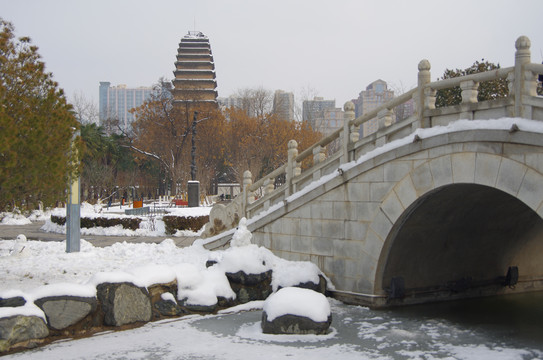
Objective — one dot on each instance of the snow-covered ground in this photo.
(150, 225)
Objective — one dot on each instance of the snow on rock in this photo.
(290, 273)
(242, 236)
(251, 259)
(212, 284)
(63, 289)
(297, 301)
(15, 219)
(153, 274)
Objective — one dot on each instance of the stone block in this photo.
(64, 311)
(379, 190)
(463, 167)
(281, 242)
(381, 225)
(333, 229)
(510, 176)
(486, 169)
(365, 211)
(355, 230)
(372, 245)
(397, 170)
(16, 329)
(441, 169)
(290, 226)
(334, 267)
(352, 268)
(357, 191)
(318, 208)
(406, 192)
(440, 151)
(392, 207)
(301, 244)
(347, 249)
(277, 227)
(374, 175)
(305, 212)
(123, 303)
(322, 246)
(531, 189)
(483, 148)
(422, 179)
(363, 285)
(340, 210)
(535, 161)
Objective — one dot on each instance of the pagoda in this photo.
(194, 84)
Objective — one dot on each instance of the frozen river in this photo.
(506, 328)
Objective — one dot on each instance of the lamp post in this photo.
(193, 185)
(193, 149)
(73, 209)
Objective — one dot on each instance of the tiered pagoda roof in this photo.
(194, 71)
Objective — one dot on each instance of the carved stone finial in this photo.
(522, 43)
(424, 65)
(349, 106)
(292, 144)
(247, 176)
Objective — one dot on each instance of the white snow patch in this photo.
(297, 301)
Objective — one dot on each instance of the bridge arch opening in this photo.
(459, 241)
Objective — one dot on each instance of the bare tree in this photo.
(256, 102)
(85, 110)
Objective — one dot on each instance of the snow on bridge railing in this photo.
(522, 80)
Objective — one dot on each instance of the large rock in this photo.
(320, 287)
(17, 329)
(64, 311)
(295, 310)
(294, 325)
(250, 287)
(15, 301)
(168, 308)
(124, 303)
(162, 307)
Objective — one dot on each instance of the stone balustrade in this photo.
(522, 102)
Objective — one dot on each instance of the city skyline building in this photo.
(283, 105)
(375, 95)
(313, 111)
(115, 102)
(332, 120)
(194, 83)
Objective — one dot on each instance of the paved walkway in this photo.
(33, 232)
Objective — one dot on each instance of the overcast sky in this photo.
(327, 48)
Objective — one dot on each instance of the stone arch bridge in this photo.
(445, 204)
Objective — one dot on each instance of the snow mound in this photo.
(297, 301)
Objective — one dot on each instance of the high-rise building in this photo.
(313, 111)
(194, 83)
(331, 121)
(115, 102)
(229, 102)
(375, 95)
(283, 105)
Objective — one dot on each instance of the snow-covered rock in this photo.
(296, 311)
